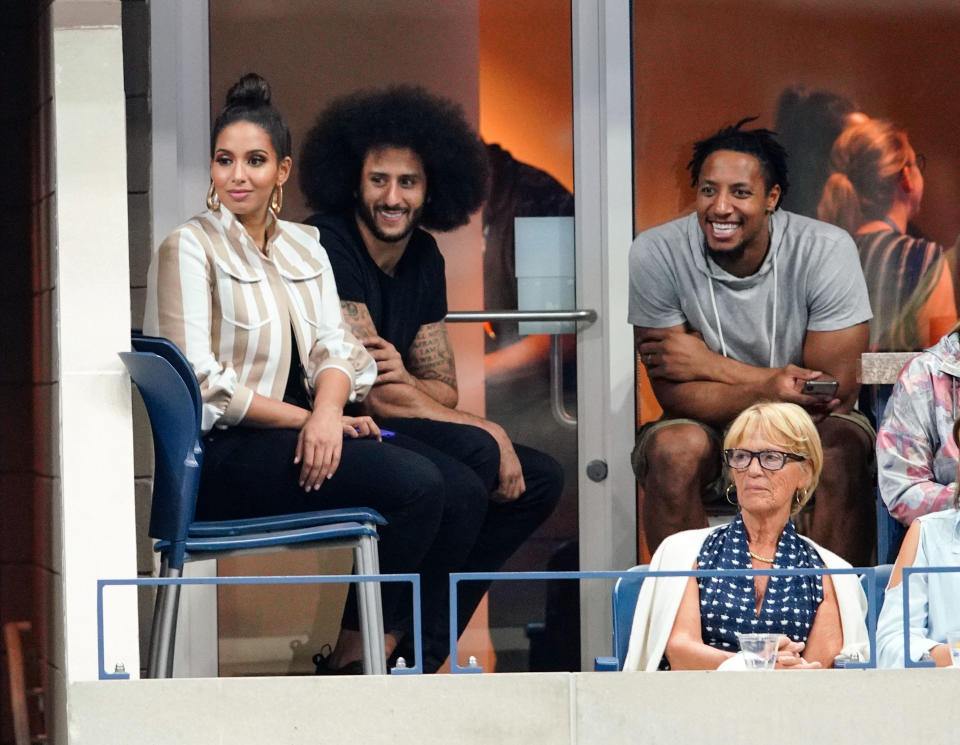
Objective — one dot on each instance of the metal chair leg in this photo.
(164, 629)
(359, 561)
(371, 608)
(154, 650)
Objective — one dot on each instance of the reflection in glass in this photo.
(873, 192)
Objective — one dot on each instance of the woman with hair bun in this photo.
(250, 300)
(874, 190)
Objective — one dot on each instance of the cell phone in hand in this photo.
(825, 389)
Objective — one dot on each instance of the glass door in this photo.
(814, 71)
(536, 79)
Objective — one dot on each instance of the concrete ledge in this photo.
(875, 706)
(883, 368)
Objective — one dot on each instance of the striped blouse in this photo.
(230, 307)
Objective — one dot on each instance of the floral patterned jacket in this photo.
(916, 455)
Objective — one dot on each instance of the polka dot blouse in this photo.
(728, 604)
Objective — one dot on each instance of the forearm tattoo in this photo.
(431, 355)
(357, 318)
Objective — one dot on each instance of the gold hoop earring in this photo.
(213, 200)
(276, 199)
(800, 496)
(731, 488)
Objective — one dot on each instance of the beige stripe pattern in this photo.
(230, 307)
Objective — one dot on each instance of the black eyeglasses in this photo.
(769, 460)
(920, 161)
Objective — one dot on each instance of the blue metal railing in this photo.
(309, 579)
(456, 578)
(414, 579)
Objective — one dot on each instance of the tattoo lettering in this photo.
(431, 356)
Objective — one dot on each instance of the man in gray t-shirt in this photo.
(739, 303)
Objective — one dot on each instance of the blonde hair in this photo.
(787, 426)
(865, 163)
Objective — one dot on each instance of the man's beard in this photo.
(367, 218)
(725, 258)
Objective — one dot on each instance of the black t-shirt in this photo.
(399, 305)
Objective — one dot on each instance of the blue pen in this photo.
(383, 433)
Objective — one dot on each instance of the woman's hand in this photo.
(360, 426)
(789, 656)
(319, 446)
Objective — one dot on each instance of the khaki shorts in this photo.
(716, 489)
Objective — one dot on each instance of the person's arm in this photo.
(431, 371)
(938, 314)
(691, 380)
(334, 346)
(685, 649)
(431, 368)
(907, 446)
(890, 652)
(837, 354)
(826, 634)
(400, 393)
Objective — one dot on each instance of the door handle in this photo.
(560, 414)
(481, 316)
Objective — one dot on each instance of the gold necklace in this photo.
(758, 557)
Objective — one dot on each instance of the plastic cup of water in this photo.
(953, 643)
(759, 650)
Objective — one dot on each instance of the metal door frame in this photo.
(604, 226)
(603, 190)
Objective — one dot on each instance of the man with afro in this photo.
(379, 168)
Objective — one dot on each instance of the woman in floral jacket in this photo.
(916, 454)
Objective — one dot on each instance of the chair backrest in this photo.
(178, 452)
(875, 599)
(172, 354)
(625, 593)
(890, 532)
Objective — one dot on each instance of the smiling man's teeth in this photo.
(724, 227)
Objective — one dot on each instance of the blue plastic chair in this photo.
(875, 599)
(625, 593)
(890, 531)
(171, 394)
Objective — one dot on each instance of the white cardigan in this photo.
(660, 597)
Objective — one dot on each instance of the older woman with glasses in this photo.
(774, 457)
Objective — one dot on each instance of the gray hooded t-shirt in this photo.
(810, 280)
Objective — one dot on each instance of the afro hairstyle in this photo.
(402, 116)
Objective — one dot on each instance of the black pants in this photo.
(250, 472)
(477, 534)
(431, 482)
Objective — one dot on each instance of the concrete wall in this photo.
(92, 295)
(556, 708)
